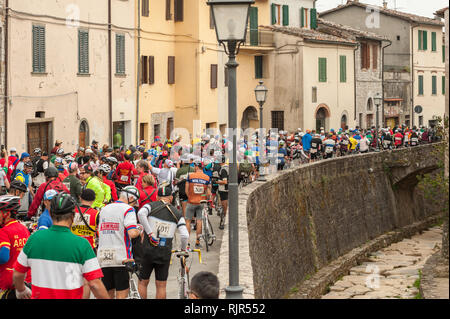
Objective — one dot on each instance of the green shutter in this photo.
(258, 67)
(38, 49)
(443, 85)
(274, 13)
(254, 26)
(302, 17)
(285, 15)
(434, 85)
(443, 54)
(343, 68)
(120, 54)
(313, 18)
(420, 40)
(322, 69)
(433, 41)
(425, 40)
(420, 84)
(83, 51)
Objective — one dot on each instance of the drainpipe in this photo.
(412, 73)
(138, 73)
(6, 74)
(355, 77)
(382, 82)
(110, 74)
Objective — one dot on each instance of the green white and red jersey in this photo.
(59, 263)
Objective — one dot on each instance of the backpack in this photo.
(245, 167)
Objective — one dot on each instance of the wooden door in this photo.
(38, 136)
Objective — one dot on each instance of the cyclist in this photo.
(103, 172)
(45, 220)
(53, 182)
(160, 221)
(125, 172)
(13, 236)
(165, 175)
(72, 182)
(343, 144)
(40, 166)
(246, 167)
(316, 146)
(92, 181)
(142, 169)
(204, 285)
(149, 190)
(223, 187)
(56, 251)
(180, 180)
(117, 226)
(364, 144)
(330, 145)
(197, 188)
(398, 139)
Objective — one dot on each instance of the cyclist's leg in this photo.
(198, 216)
(122, 282)
(190, 212)
(144, 277)
(161, 275)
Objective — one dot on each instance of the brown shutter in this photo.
(211, 19)
(144, 69)
(171, 70)
(226, 76)
(151, 69)
(375, 56)
(145, 8)
(168, 9)
(213, 76)
(179, 10)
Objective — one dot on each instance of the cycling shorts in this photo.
(223, 195)
(161, 270)
(193, 211)
(116, 278)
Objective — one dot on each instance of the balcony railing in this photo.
(259, 38)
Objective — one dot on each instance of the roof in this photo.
(310, 34)
(395, 13)
(441, 13)
(348, 32)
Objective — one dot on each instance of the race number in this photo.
(198, 189)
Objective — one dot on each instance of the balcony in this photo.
(259, 40)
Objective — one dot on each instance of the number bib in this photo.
(124, 178)
(107, 257)
(198, 189)
(329, 149)
(313, 150)
(164, 229)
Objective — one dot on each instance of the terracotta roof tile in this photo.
(346, 31)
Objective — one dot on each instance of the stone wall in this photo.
(307, 217)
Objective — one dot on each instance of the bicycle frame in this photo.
(183, 274)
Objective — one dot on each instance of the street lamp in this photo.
(378, 99)
(230, 19)
(261, 95)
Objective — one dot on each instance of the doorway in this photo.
(38, 136)
(83, 134)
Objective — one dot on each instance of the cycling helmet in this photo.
(131, 191)
(37, 151)
(62, 204)
(105, 168)
(73, 167)
(51, 172)
(50, 194)
(112, 160)
(165, 153)
(60, 151)
(16, 184)
(69, 158)
(9, 203)
(28, 164)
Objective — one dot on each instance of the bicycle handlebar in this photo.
(185, 253)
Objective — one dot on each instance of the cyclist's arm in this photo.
(19, 280)
(98, 289)
(184, 234)
(143, 218)
(4, 255)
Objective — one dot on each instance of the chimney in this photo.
(385, 4)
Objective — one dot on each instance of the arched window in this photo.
(343, 121)
(250, 118)
(322, 117)
(83, 136)
(369, 104)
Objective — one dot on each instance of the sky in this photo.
(419, 7)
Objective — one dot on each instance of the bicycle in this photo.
(132, 268)
(219, 209)
(183, 274)
(207, 229)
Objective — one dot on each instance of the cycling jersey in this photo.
(315, 145)
(101, 190)
(147, 195)
(112, 187)
(45, 221)
(80, 228)
(198, 183)
(59, 263)
(13, 237)
(114, 244)
(329, 145)
(223, 176)
(124, 171)
(55, 184)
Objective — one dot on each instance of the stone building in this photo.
(406, 58)
(2, 71)
(368, 70)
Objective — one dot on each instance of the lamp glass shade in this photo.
(378, 99)
(231, 21)
(261, 93)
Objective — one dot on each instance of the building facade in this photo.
(2, 71)
(79, 75)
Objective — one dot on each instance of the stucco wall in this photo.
(305, 218)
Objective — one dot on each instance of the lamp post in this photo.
(230, 20)
(261, 95)
(377, 100)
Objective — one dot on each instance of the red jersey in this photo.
(13, 235)
(145, 197)
(113, 188)
(13, 162)
(79, 228)
(398, 139)
(37, 200)
(124, 171)
(139, 181)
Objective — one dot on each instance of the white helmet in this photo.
(105, 168)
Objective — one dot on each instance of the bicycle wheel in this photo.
(205, 232)
(210, 232)
(182, 284)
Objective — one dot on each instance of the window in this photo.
(420, 84)
(375, 56)
(213, 76)
(443, 54)
(145, 8)
(443, 85)
(171, 70)
(168, 10)
(420, 120)
(314, 94)
(407, 120)
(423, 41)
(254, 26)
(258, 67)
(143, 131)
(120, 54)
(276, 13)
(38, 49)
(151, 70)
(285, 15)
(313, 18)
(433, 42)
(83, 52)
(322, 69)
(434, 85)
(278, 120)
(179, 10)
(144, 69)
(302, 17)
(226, 76)
(343, 68)
(156, 130)
(398, 38)
(211, 19)
(365, 56)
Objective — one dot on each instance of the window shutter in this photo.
(226, 76)
(213, 76)
(38, 49)
(420, 84)
(151, 69)
(425, 40)
(443, 85)
(120, 54)
(179, 10)
(285, 15)
(302, 17)
(420, 41)
(313, 18)
(343, 64)
(144, 69)
(171, 70)
(443, 54)
(434, 85)
(83, 51)
(322, 69)
(433, 41)
(145, 8)
(258, 67)
(274, 13)
(211, 19)
(254, 26)
(375, 56)
(168, 9)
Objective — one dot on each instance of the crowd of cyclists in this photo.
(93, 210)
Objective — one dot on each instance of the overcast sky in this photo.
(419, 7)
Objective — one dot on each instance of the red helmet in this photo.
(154, 144)
(165, 153)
